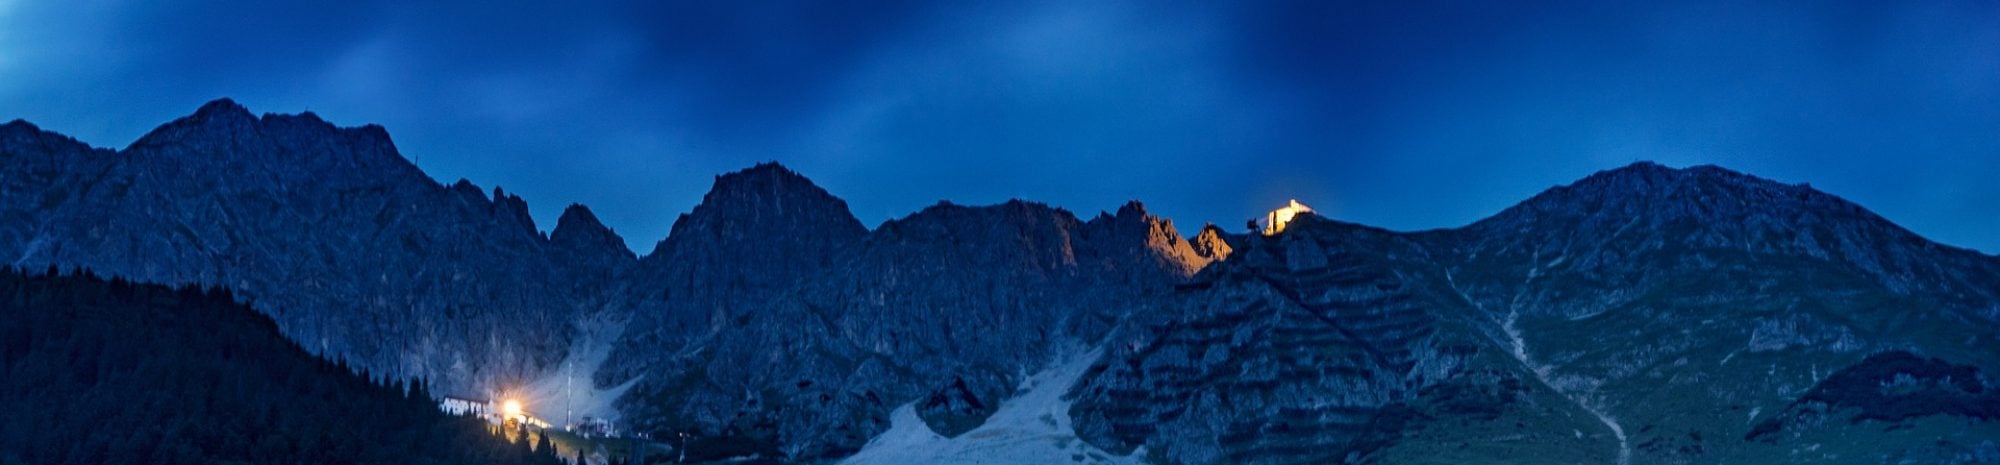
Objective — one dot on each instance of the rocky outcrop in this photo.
(582, 239)
(1211, 243)
(757, 233)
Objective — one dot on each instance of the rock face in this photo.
(770, 314)
(1642, 315)
(756, 234)
(1657, 314)
(353, 250)
(947, 308)
(1646, 286)
(1322, 344)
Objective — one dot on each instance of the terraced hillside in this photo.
(1644, 315)
(1324, 344)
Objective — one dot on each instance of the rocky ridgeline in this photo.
(947, 308)
(1641, 315)
(1645, 286)
(748, 321)
(1646, 310)
(757, 233)
(1317, 345)
(353, 250)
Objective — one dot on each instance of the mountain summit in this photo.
(763, 201)
(757, 232)
(1647, 208)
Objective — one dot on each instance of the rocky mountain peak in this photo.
(467, 191)
(1708, 197)
(1608, 221)
(578, 230)
(222, 110)
(224, 133)
(22, 136)
(210, 125)
(1155, 237)
(284, 210)
(1704, 190)
(757, 232)
(772, 188)
(764, 202)
(1210, 243)
(18, 128)
(513, 208)
(1133, 208)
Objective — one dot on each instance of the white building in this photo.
(594, 427)
(462, 405)
(1275, 221)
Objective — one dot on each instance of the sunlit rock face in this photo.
(354, 251)
(1211, 243)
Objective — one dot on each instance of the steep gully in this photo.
(1520, 352)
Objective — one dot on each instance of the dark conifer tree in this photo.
(80, 356)
(527, 449)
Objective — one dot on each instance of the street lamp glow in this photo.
(512, 408)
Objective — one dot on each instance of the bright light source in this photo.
(1275, 221)
(512, 408)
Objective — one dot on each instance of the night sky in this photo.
(1399, 114)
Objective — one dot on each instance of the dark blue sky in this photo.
(1406, 115)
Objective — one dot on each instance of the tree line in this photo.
(97, 371)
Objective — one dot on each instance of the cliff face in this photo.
(756, 234)
(1321, 344)
(353, 250)
(1645, 285)
(813, 347)
(1641, 315)
(749, 321)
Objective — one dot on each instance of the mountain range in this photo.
(1644, 314)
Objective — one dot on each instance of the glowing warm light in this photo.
(512, 408)
(1275, 221)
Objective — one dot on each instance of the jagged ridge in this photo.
(354, 251)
